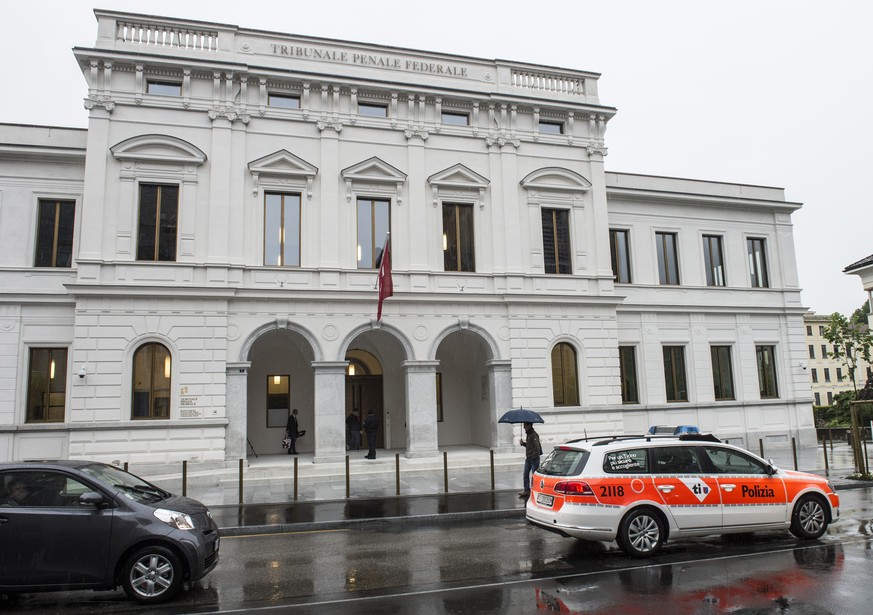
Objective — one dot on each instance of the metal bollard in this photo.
(184, 477)
(824, 447)
(866, 458)
(240, 481)
(794, 452)
(761, 446)
(348, 481)
(446, 471)
(295, 479)
(492, 469)
(125, 466)
(397, 472)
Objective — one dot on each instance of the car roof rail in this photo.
(648, 437)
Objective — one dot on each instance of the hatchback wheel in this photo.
(152, 574)
(641, 533)
(809, 519)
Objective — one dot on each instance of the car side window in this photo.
(675, 460)
(729, 461)
(632, 461)
(40, 489)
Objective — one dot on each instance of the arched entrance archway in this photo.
(378, 384)
(464, 390)
(280, 378)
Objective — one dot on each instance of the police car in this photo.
(642, 490)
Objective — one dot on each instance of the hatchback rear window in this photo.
(564, 462)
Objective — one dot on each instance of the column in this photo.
(236, 411)
(330, 410)
(500, 381)
(421, 412)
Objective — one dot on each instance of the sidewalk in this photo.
(268, 489)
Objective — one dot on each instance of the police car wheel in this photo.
(809, 519)
(641, 533)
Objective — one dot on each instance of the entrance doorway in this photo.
(364, 392)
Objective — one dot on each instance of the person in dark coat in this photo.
(353, 430)
(532, 452)
(291, 431)
(371, 426)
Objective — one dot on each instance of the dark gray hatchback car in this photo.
(87, 525)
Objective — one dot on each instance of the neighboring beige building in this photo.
(202, 258)
(864, 269)
(828, 376)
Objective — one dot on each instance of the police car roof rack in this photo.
(685, 437)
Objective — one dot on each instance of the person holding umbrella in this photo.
(532, 453)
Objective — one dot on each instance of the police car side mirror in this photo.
(771, 469)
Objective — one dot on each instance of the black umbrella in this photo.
(520, 415)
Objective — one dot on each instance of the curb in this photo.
(350, 524)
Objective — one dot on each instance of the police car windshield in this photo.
(564, 462)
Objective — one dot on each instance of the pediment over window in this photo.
(458, 180)
(158, 148)
(373, 173)
(284, 166)
(555, 178)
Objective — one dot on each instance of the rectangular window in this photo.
(767, 371)
(722, 372)
(627, 364)
(758, 263)
(158, 217)
(821, 330)
(625, 462)
(458, 245)
(674, 373)
(827, 374)
(455, 118)
(668, 261)
(713, 258)
(283, 101)
(374, 222)
(818, 399)
(54, 233)
(47, 385)
(556, 240)
(839, 374)
(163, 88)
(809, 330)
(830, 398)
(814, 374)
(372, 109)
(620, 253)
(811, 351)
(282, 229)
(824, 351)
(551, 128)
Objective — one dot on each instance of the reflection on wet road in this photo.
(507, 566)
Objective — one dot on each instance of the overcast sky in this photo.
(774, 93)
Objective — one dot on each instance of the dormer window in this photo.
(163, 88)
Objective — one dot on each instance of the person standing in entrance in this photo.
(291, 432)
(532, 452)
(353, 430)
(371, 426)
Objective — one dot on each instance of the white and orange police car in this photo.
(641, 490)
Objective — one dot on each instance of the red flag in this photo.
(386, 284)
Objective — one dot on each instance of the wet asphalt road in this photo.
(507, 566)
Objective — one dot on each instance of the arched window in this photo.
(151, 382)
(564, 381)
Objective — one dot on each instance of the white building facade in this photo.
(203, 258)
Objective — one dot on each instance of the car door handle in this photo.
(3, 519)
(728, 487)
(666, 488)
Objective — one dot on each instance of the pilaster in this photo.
(236, 410)
(421, 411)
(330, 407)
